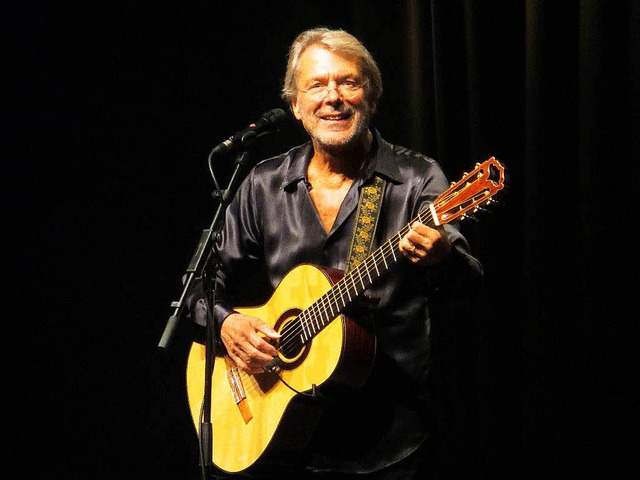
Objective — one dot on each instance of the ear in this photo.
(294, 108)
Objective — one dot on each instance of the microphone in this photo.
(266, 124)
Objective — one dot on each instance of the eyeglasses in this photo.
(347, 89)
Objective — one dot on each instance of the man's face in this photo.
(331, 99)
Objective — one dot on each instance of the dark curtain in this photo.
(113, 110)
(540, 380)
(551, 89)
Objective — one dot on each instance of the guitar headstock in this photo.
(474, 190)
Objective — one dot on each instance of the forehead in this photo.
(317, 61)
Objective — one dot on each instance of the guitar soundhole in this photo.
(291, 350)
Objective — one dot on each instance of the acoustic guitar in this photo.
(321, 351)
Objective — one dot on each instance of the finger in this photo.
(407, 248)
(249, 358)
(265, 347)
(238, 358)
(267, 331)
(420, 228)
(425, 232)
(258, 349)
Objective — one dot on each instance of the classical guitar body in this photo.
(252, 415)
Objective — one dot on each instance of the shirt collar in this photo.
(381, 160)
(297, 160)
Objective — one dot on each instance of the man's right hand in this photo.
(249, 341)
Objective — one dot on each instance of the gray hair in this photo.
(342, 43)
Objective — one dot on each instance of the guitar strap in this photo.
(366, 222)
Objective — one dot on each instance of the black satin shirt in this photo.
(271, 226)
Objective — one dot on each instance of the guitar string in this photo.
(252, 383)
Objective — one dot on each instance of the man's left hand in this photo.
(424, 245)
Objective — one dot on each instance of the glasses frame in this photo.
(347, 89)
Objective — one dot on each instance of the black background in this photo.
(113, 109)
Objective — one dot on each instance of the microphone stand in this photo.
(202, 265)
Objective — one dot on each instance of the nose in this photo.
(333, 94)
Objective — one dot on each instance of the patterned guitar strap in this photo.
(366, 222)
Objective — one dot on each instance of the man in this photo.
(301, 208)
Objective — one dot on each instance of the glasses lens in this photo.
(346, 90)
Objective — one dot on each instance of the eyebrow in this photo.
(339, 77)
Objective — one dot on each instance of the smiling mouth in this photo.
(335, 117)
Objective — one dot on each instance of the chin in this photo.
(337, 138)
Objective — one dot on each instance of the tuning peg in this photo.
(469, 216)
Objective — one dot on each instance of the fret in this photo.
(306, 332)
(369, 272)
(358, 271)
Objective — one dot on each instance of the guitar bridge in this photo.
(237, 390)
